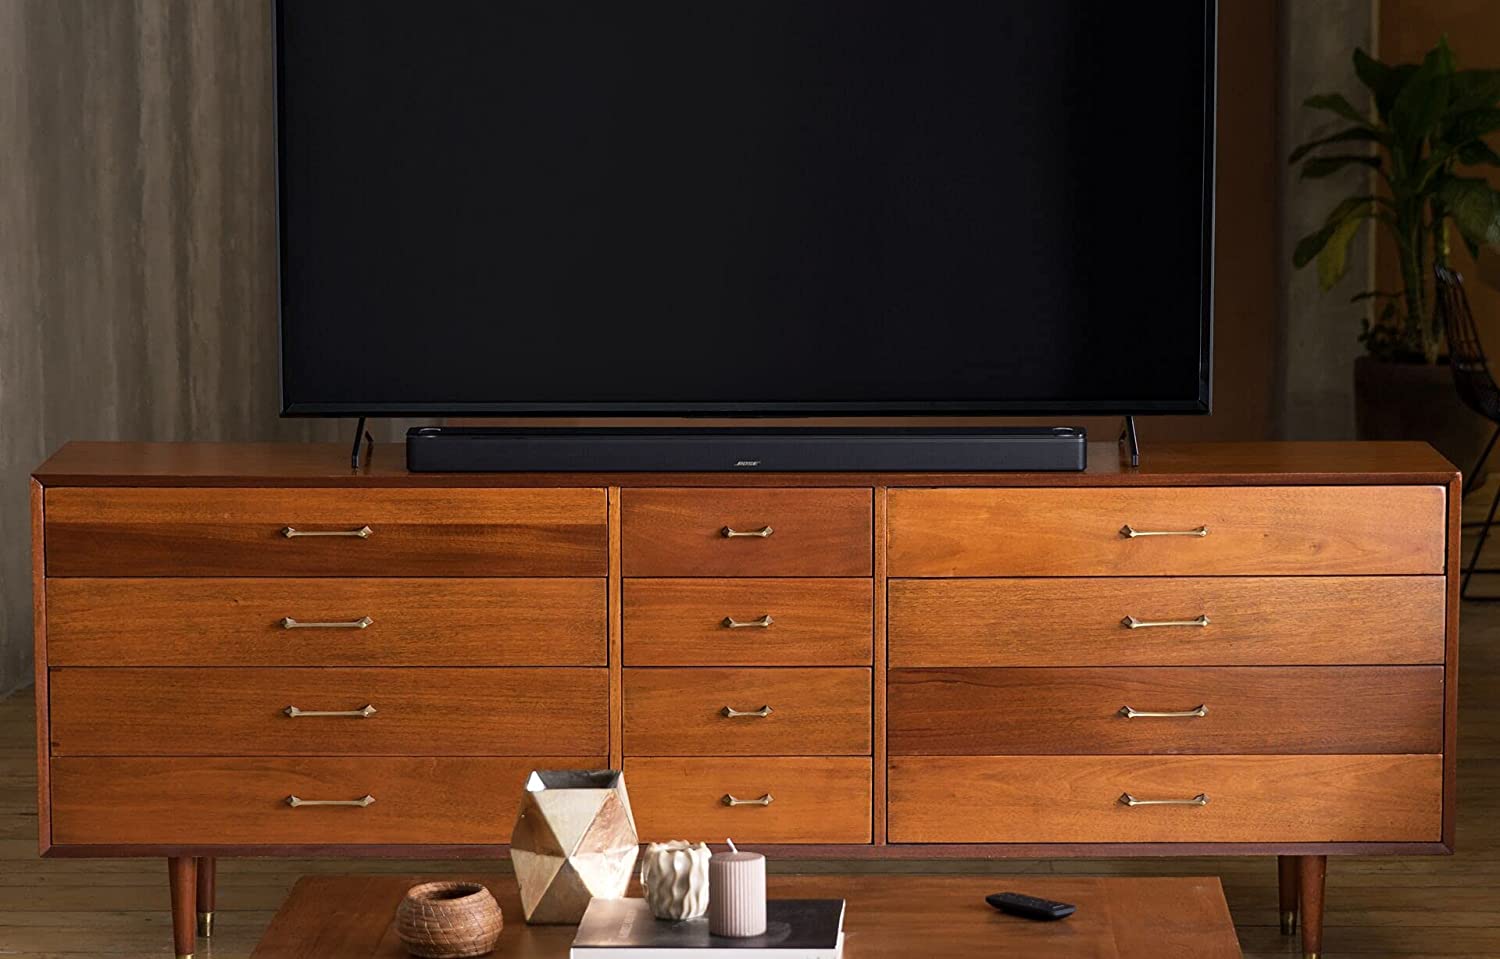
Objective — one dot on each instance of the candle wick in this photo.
(732, 847)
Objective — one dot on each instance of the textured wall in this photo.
(137, 245)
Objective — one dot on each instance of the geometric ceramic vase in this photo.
(574, 839)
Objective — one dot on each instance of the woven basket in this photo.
(449, 920)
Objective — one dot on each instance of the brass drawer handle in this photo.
(1128, 800)
(729, 800)
(729, 622)
(1193, 713)
(1130, 622)
(288, 622)
(729, 532)
(292, 712)
(291, 531)
(732, 713)
(361, 802)
(1130, 532)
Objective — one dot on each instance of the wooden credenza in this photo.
(1234, 649)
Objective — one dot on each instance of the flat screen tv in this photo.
(710, 207)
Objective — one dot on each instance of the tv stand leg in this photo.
(361, 434)
(1130, 440)
(205, 865)
(183, 873)
(1313, 870)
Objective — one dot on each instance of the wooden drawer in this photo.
(406, 622)
(1297, 709)
(691, 622)
(241, 712)
(681, 712)
(243, 800)
(1077, 799)
(1251, 621)
(1288, 530)
(812, 800)
(681, 532)
(240, 532)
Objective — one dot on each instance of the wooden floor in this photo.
(1448, 906)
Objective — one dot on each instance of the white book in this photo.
(625, 929)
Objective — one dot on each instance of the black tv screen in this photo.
(744, 206)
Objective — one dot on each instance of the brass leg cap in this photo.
(1305, 955)
(1288, 923)
(188, 956)
(206, 925)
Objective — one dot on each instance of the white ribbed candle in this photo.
(737, 893)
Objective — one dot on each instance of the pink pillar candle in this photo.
(737, 893)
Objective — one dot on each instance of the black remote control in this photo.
(1030, 907)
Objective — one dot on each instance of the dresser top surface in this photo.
(327, 464)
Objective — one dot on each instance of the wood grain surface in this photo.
(1270, 463)
(1252, 621)
(813, 712)
(886, 917)
(419, 712)
(813, 800)
(202, 801)
(238, 622)
(1293, 531)
(414, 532)
(679, 532)
(1288, 799)
(1249, 709)
(681, 622)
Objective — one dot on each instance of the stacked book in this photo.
(625, 929)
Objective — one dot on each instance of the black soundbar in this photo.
(448, 449)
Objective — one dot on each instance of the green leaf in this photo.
(1361, 134)
(1476, 152)
(1476, 89)
(1319, 167)
(1382, 80)
(1336, 103)
(1463, 127)
(1424, 98)
(1354, 208)
(1372, 295)
(1475, 208)
(1333, 259)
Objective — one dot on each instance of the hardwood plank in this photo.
(813, 800)
(935, 799)
(813, 712)
(418, 712)
(202, 801)
(1252, 621)
(1292, 531)
(682, 622)
(1248, 709)
(414, 532)
(814, 532)
(239, 622)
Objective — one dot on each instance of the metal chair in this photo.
(1476, 387)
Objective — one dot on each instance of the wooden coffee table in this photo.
(350, 917)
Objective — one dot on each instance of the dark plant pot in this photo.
(1417, 401)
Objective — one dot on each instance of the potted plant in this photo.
(1421, 147)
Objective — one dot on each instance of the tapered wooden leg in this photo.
(205, 897)
(1286, 883)
(1312, 871)
(183, 872)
